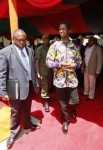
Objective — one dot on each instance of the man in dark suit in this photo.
(18, 82)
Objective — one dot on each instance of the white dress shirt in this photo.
(25, 60)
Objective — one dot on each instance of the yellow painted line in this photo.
(4, 123)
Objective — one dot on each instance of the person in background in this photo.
(79, 72)
(63, 57)
(93, 60)
(43, 71)
(18, 82)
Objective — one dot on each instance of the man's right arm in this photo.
(38, 58)
(52, 58)
(3, 75)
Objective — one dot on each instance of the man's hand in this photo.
(70, 67)
(5, 98)
(39, 76)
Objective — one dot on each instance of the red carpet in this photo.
(85, 134)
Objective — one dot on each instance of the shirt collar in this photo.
(19, 47)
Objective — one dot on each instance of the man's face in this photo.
(45, 39)
(20, 41)
(90, 42)
(63, 31)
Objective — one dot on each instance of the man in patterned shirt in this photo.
(63, 57)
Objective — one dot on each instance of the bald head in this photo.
(19, 32)
(19, 38)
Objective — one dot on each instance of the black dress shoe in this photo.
(10, 142)
(65, 127)
(46, 107)
(90, 99)
(31, 127)
(34, 127)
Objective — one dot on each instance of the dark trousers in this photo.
(20, 110)
(64, 95)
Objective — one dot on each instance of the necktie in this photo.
(25, 60)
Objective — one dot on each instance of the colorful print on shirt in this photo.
(60, 54)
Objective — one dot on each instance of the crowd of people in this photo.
(65, 63)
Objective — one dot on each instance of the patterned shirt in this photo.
(58, 55)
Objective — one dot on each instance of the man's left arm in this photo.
(36, 82)
(99, 60)
(78, 59)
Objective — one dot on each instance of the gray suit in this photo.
(13, 71)
(14, 83)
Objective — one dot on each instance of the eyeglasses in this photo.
(21, 39)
